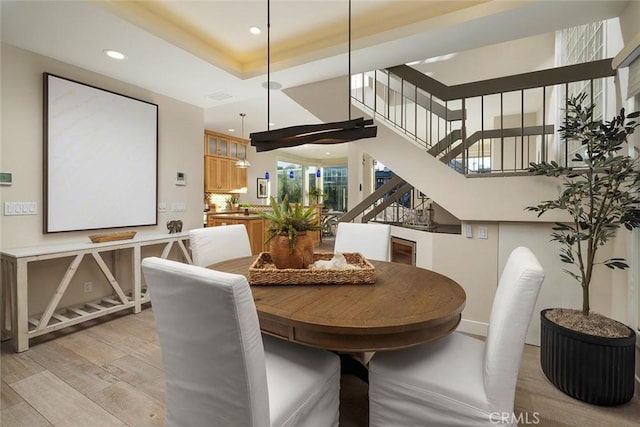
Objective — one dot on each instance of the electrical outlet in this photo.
(87, 287)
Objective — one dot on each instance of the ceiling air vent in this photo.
(219, 96)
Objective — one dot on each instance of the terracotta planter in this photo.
(592, 369)
(281, 254)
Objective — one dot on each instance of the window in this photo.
(584, 43)
(290, 182)
(335, 187)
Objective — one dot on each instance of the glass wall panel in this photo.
(290, 182)
(335, 187)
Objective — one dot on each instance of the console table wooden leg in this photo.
(6, 291)
(137, 280)
(20, 318)
(185, 252)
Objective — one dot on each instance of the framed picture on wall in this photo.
(262, 188)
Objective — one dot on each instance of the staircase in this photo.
(490, 129)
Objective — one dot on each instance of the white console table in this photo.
(15, 321)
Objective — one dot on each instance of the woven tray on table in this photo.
(264, 272)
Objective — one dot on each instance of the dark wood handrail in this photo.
(399, 192)
(535, 79)
(493, 134)
(388, 186)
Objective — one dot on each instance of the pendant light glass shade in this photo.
(243, 163)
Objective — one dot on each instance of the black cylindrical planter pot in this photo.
(592, 369)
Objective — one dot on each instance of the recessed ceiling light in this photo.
(255, 30)
(231, 130)
(114, 54)
(271, 124)
(327, 153)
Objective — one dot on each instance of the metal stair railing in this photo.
(441, 118)
(373, 198)
(394, 197)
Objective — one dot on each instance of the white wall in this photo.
(476, 264)
(180, 139)
(629, 19)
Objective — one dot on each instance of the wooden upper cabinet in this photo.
(221, 153)
(216, 175)
(237, 177)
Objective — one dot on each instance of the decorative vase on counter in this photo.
(283, 257)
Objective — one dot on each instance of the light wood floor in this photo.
(109, 372)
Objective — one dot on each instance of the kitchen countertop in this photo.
(233, 215)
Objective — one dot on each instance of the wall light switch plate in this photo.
(483, 233)
(468, 231)
(178, 207)
(9, 208)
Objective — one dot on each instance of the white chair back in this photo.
(372, 240)
(211, 245)
(508, 323)
(212, 349)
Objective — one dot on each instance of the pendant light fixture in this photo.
(324, 133)
(243, 163)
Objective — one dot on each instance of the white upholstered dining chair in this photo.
(460, 380)
(372, 240)
(220, 370)
(210, 245)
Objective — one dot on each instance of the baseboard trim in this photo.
(473, 327)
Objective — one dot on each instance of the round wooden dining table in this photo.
(406, 306)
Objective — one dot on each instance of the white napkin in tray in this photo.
(338, 262)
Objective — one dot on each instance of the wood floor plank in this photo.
(140, 374)
(22, 415)
(74, 369)
(133, 325)
(17, 366)
(8, 397)
(116, 336)
(90, 348)
(61, 404)
(130, 405)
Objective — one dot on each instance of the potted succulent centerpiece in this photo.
(290, 246)
(586, 355)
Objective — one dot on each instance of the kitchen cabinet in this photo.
(220, 155)
(216, 175)
(253, 223)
